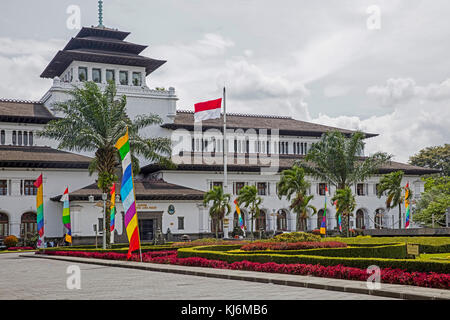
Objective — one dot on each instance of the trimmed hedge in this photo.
(404, 264)
(426, 244)
(117, 250)
(396, 251)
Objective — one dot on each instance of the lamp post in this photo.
(104, 197)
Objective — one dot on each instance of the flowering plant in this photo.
(291, 246)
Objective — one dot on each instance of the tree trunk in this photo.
(399, 216)
(345, 224)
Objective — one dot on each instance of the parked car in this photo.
(2, 245)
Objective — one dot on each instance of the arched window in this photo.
(4, 225)
(2, 137)
(320, 218)
(261, 221)
(19, 140)
(25, 138)
(360, 219)
(282, 220)
(28, 225)
(30, 138)
(14, 137)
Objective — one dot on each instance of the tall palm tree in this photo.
(93, 121)
(248, 197)
(391, 186)
(293, 185)
(220, 206)
(346, 204)
(338, 160)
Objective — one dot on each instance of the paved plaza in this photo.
(28, 278)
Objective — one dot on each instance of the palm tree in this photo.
(391, 186)
(338, 160)
(93, 121)
(220, 205)
(293, 185)
(248, 196)
(346, 204)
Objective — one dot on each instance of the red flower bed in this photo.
(291, 245)
(20, 248)
(388, 275)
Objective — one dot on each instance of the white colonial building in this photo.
(259, 148)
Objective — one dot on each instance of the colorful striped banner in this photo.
(66, 216)
(40, 209)
(339, 216)
(127, 194)
(323, 226)
(407, 205)
(113, 207)
(238, 210)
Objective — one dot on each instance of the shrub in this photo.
(306, 258)
(10, 241)
(296, 237)
(291, 246)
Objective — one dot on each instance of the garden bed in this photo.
(388, 275)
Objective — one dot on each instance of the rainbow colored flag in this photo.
(66, 216)
(238, 210)
(323, 226)
(113, 207)
(339, 216)
(407, 205)
(127, 194)
(40, 209)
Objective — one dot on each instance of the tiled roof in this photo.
(251, 163)
(24, 111)
(40, 157)
(285, 125)
(146, 189)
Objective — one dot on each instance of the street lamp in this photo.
(104, 198)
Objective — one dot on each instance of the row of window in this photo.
(19, 138)
(28, 225)
(243, 146)
(27, 188)
(262, 187)
(110, 74)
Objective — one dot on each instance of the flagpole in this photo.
(225, 149)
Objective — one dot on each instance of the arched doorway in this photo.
(4, 225)
(282, 220)
(214, 225)
(379, 213)
(261, 221)
(320, 218)
(360, 219)
(28, 225)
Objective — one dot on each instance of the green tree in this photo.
(220, 206)
(248, 197)
(391, 186)
(433, 157)
(338, 160)
(346, 204)
(293, 186)
(93, 121)
(434, 202)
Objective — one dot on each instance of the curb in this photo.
(351, 286)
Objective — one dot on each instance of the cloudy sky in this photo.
(326, 61)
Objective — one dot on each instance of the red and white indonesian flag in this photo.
(207, 110)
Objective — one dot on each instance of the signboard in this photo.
(412, 249)
(144, 206)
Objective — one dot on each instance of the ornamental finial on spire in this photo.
(100, 13)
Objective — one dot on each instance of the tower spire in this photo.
(100, 13)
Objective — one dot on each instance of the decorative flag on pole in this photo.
(323, 226)
(407, 205)
(66, 216)
(207, 110)
(40, 209)
(339, 216)
(128, 196)
(238, 210)
(113, 207)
